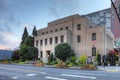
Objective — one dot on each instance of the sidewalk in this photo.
(109, 68)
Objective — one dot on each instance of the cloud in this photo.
(6, 15)
(9, 39)
(65, 6)
(3, 47)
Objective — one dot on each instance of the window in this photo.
(62, 38)
(66, 27)
(50, 40)
(47, 32)
(79, 27)
(41, 42)
(61, 29)
(45, 41)
(36, 42)
(56, 30)
(93, 51)
(51, 31)
(78, 38)
(93, 36)
(56, 39)
(42, 33)
(90, 26)
(41, 54)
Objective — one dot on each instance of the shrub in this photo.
(82, 60)
(88, 67)
(73, 59)
(39, 63)
(69, 64)
(61, 64)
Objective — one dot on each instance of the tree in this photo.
(25, 35)
(15, 55)
(63, 51)
(27, 49)
(34, 33)
(29, 41)
(23, 51)
(32, 53)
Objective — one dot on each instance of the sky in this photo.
(17, 14)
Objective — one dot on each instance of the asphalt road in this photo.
(16, 72)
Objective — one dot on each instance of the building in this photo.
(80, 33)
(109, 19)
(115, 23)
(101, 18)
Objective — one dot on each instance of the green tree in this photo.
(34, 33)
(27, 49)
(23, 51)
(29, 41)
(32, 53)
(63, 51)
(25, 35)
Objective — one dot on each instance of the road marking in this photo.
(54, 78)
(31, 74)
(93, 74)
(23, 70)
(70, 75)
(14, 77)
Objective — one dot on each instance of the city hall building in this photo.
(80, 33)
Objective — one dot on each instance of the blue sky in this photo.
(16, 14)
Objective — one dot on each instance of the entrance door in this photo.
(48, 53)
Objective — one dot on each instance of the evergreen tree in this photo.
(27, 49)
(25, 35)
(34, 33)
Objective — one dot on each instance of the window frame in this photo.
(78, 38)
(45, 41)
(93, 36)
(51, 41)
(78, 26)
(56, 40)
(93, 51)
(41, 42)
(62, 39)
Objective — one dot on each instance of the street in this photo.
(17, 72)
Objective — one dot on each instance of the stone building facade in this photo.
(80, 33)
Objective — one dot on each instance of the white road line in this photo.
(54, 78)
(70, 75)
(14, 77)
(31, 74)
(93, 74)
(22, 70)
